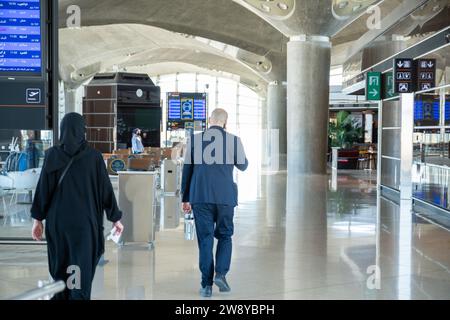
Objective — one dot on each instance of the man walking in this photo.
(209, 191)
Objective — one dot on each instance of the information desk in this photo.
(137, 200)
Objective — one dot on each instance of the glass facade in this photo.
(22, 156)
(242, 104)
(18, 181)
(431, 141)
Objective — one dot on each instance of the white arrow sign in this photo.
(430, 64)
(374, 92)
(400, 64)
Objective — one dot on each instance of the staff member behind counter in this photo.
(136, 142)
(209, 191)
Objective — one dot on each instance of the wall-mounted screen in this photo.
(20, 38)
(447, 111)
(186, 111)
(426, 110)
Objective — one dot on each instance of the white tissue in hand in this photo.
(114, 235)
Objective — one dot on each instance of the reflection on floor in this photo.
(299, 238)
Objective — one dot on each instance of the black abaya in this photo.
(74, 211)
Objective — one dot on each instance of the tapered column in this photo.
(276, 113)
(308, 79)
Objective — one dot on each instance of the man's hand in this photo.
(37, 230)
(187, 207)
(119, 227)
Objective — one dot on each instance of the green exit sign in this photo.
(388, 85)
(373, 86)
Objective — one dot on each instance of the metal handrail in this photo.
(38, 293)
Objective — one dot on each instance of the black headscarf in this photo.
(73, 133)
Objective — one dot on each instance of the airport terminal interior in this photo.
(342, 106)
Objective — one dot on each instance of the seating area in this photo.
(360, 157)
(12, 186)
(348, 159)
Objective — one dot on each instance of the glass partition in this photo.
(22, 156)
(431, 142)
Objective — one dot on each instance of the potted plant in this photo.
(342, 134)
(345, 131)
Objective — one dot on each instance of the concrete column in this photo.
(264, 135)
(276, 113)
(73, 99)
(70, 100)
(406, 149)
(308, 85)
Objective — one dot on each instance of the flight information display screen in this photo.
(186, 111)
(426, 111)
(20, 37)
(447, 111)
(186, 106)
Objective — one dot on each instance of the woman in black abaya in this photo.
(71, 197)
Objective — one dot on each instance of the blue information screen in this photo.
(179, 107)
(426, 111)
(447, 112)
(20, 37)
(200, 109)
(174, 108)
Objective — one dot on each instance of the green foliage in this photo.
(345, 131)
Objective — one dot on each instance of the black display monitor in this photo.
(426, 110)
(148, 119)
(29, 64)
(186, 110)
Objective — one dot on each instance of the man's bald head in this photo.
(218, 117)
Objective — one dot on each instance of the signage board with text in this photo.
(404, 75)
(426, 74)
(28, 64)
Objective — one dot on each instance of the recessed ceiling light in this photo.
(357, 7)
(282, 6)
(265, 7)
(342, 4)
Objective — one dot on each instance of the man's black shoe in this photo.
(221, 282)
(206, 292)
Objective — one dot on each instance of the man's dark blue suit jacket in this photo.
(208, 169)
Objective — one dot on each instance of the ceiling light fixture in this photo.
(265, 7)
(283, 6)
(357, 7)
(342, 4)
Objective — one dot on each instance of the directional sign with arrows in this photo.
(404, 75)
(388, 85)
(373, 86)
(426, 74)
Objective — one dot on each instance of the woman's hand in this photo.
(37, 230)
(119, 227)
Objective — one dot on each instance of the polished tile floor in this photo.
(299, 238)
